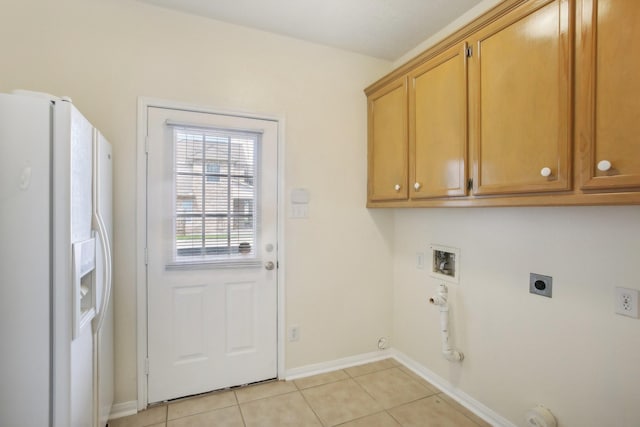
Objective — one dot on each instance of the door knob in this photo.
(604, 165)
(545, 171)
(269, 265)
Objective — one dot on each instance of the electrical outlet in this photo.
(294, 333)
(627, 302)
(383, 343)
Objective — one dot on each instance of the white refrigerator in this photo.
(56, 314)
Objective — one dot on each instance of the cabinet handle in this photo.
(397, 187)
(545, 171)
(417, 186)
(604, 165)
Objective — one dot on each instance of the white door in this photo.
(212, 251)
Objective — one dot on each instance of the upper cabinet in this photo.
(520, 93)
(438, 126)
(388, 175)
(532, 104)
(608, 95)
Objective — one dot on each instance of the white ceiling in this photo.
(380, 28)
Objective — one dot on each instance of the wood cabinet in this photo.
(540, 111)
(608, 95)
(388, 147)
(438, 126)
(520, 91)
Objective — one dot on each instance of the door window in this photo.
(215, 184)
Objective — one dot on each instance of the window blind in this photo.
(215, 193)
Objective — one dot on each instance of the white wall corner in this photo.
(449, 389)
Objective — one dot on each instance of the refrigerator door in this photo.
(84, 293)
(25, 261)
(84, 289)
(103, 322)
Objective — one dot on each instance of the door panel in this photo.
(212, 215)
(520, 89)
(241, 317)
(189, 321)
(438, 126)
(388, 145)
(608, 102)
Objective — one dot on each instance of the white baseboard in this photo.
(334, 365)
(124, 409)
(449, 389)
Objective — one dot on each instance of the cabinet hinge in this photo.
(146, 144)
(469, 52)
(470, 184)
(146, 366)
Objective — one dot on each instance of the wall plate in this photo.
(445, 263)
(627, 302)
(540, 284)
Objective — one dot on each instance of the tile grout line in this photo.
(321, 384)
(386, 410)
(352, 378)
(307, 402)
(455, 409)
(235, 395)
(196, 397)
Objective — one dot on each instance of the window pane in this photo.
(215, 187)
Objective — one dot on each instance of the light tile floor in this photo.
(379, 394)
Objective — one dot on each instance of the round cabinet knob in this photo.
(397, 187)
(604, 165)
(417, 186)
(269, 265)
(545, 171)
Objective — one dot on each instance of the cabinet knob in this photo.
(604, 165)
(397, 187)
(545, 171)
(417, 186)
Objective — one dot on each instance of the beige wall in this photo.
(570, 353)
(104, 54)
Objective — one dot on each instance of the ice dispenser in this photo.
(84, 292)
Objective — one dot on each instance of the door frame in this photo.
(141, 232)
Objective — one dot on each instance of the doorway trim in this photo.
(141, 232)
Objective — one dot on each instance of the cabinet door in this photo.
(438, 126)
(388, 147)
(520, 74)
(608, 94)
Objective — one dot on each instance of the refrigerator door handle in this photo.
(105, 246)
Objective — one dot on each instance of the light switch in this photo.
(300, 196)
(299, 203)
